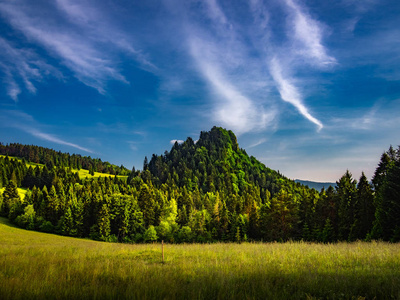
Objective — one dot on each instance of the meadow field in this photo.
(35, 265)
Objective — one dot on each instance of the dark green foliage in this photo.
(11, 200)
(364, 209)
(387, 200)
(346, 200)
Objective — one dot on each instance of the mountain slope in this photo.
(212, 164)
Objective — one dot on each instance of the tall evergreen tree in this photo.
(346, 199)
(387, 197)
(10, 198)
(364, 209)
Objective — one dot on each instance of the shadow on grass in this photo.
(5, 221)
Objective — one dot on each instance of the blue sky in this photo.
(311, 88)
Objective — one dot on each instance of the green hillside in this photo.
(83, 173)
(43, 266)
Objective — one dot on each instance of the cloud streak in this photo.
(233, 109)
(234, 79)
(22, 66)
(26, 123)
(53, 139)
(307, 33)
(259, 142)
(290, 94)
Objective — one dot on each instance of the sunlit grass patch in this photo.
(85, 174)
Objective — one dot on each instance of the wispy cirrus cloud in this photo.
(289, 92)
(285, 55)
(53, 138)
(215, 12)
(229, 54)
(96, 23)
(233, 77)
(78, 35)
(307, 34)
(25, 122)
(258, 143)
(22, 66)
(232, 108)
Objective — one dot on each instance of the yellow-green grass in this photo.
(35, 265)
(85, 174)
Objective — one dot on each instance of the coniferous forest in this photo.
(204, 191)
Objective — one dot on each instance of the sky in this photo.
(310, 88)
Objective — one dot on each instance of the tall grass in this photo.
(35, 265)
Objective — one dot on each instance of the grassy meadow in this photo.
(35, 265)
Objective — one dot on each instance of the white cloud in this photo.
(289, 92)
(233, 109)
(54, 139)
(215, 12)
(22, 67)
(308, 33)
(172, 142)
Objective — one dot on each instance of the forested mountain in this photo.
(203, 191)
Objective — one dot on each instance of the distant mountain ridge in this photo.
(316, 185)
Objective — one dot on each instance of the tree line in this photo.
(203, 191)
(52, 158)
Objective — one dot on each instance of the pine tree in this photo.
(364, 209)
(147, 205)
(10, 198)
(67, 223)
(346, 198)
(254, 222)
(103, 222)
(327, 232)
(52, 207)
(387, 197)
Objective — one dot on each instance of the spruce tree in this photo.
(364, 209)
(10, 198)
(346, 199)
